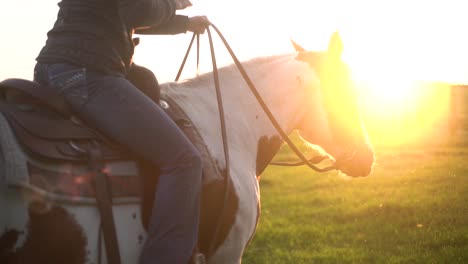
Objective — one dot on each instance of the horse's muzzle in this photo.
(359, 165)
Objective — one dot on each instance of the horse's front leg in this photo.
(245, 223)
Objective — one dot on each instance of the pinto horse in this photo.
(311, 92)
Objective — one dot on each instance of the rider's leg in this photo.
(112, 105)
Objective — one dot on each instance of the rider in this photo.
(86, 58)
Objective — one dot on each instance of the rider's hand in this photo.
(198, 24)
(182, 4)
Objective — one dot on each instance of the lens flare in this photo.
(406, 111)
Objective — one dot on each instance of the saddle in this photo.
(47, 131)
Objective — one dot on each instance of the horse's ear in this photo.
(335, 46)
(297, 47)
(302, 55)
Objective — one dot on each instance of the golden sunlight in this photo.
(403, 66)
(406, 112)
(398, 106)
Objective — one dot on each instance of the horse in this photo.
(311, 92)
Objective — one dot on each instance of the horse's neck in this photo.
(277, 80)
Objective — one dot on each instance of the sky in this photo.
(384, 39)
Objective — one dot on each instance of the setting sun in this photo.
(407, 112)
(402, 97)
(397, 106)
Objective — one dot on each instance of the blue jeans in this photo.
(113, 106)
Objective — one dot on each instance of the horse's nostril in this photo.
(366, 171)
(360, 165)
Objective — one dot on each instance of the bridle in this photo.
(311, 163)
(303, 160)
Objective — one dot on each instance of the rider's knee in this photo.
(190, 165)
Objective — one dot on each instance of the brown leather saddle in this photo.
(47, 131)
(45, 126)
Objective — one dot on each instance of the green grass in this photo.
(412, 209)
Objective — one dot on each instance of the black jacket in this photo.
(97, 34)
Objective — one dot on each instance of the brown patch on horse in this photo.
(213, 212)
(53, 237)
(8, 241)
(266, 150)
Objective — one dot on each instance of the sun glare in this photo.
(398, 108)
(400, 112)
(400, 88)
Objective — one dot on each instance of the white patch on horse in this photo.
(276, 79)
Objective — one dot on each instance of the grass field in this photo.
(412, 209)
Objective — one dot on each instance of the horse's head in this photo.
(337, 127)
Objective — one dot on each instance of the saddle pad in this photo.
(64, 180)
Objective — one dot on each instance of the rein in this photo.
(304, 161)
(267, 111)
